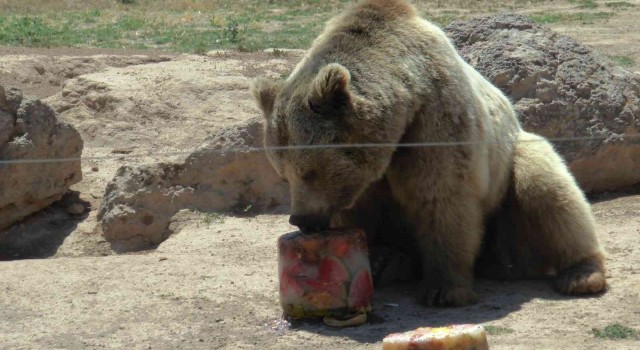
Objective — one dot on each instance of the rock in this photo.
(561, 89)
(75, 209)
(29, 129)
(165, 109)
(47, 72)
(230, 173)
(161, 107)
(189, 103)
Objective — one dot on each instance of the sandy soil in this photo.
(213, 284)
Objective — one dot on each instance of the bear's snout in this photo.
(307, 223)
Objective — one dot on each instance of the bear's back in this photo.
(386, 47)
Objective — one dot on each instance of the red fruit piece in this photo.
(301, 269)
(332, 271)
(289, 288)
(338, 246)
(310, 249)
(331, 298)
(288, 247)
(290, 253)
(302, 273)
(335, 289)
(361, 290)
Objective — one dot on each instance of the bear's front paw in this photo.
(586, 277)
(390, 266)
(443, 296)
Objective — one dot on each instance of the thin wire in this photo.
(303, 147)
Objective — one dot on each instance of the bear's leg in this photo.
(449, 235)
(393, 254)
(555, 226)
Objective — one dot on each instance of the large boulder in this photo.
(229, 173)
(42, 73)
(163, 110)
(561, 90)
(165, 106)
(197, 103)
(30, 130)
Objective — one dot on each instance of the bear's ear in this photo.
(264, 91)
(330, 89)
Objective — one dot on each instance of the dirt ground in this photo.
(213, 284)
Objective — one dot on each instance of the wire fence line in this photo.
(247, 149)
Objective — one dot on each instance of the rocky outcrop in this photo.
(167, 109)
(167, 106)
(230, 173)
(30, 130)
(561, 90)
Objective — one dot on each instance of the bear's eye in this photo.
(309, 176)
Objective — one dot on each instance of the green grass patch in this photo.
(546, 18)
(26, 31)
(208, 218)
(624, 61)
(198, 26)
(590, 17)
(130, 24)
(582, 17)
(79, 18)
(584, 4)
(619, 4)
(497, 330)
(260, 25)
(443, 19)
(615, 331)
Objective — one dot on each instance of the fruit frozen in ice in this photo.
(318, 273)
(361, 290)
(458, 337)
(338, 246)
(289, 287)
(332, 271)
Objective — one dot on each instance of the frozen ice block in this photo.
(324, 273)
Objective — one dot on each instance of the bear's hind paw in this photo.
(586, 277)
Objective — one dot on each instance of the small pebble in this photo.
(94, 168)
(39, 68)
(75, 209)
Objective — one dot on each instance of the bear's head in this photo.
(314, 122)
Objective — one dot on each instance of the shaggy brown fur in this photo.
(381, 74)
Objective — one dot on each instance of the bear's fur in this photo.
(380, 74)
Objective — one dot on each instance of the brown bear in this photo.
(383, 121)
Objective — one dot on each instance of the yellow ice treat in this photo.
(458, 337)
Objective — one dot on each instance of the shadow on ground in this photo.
(395, 309)
(39, 235)
(607, 196)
